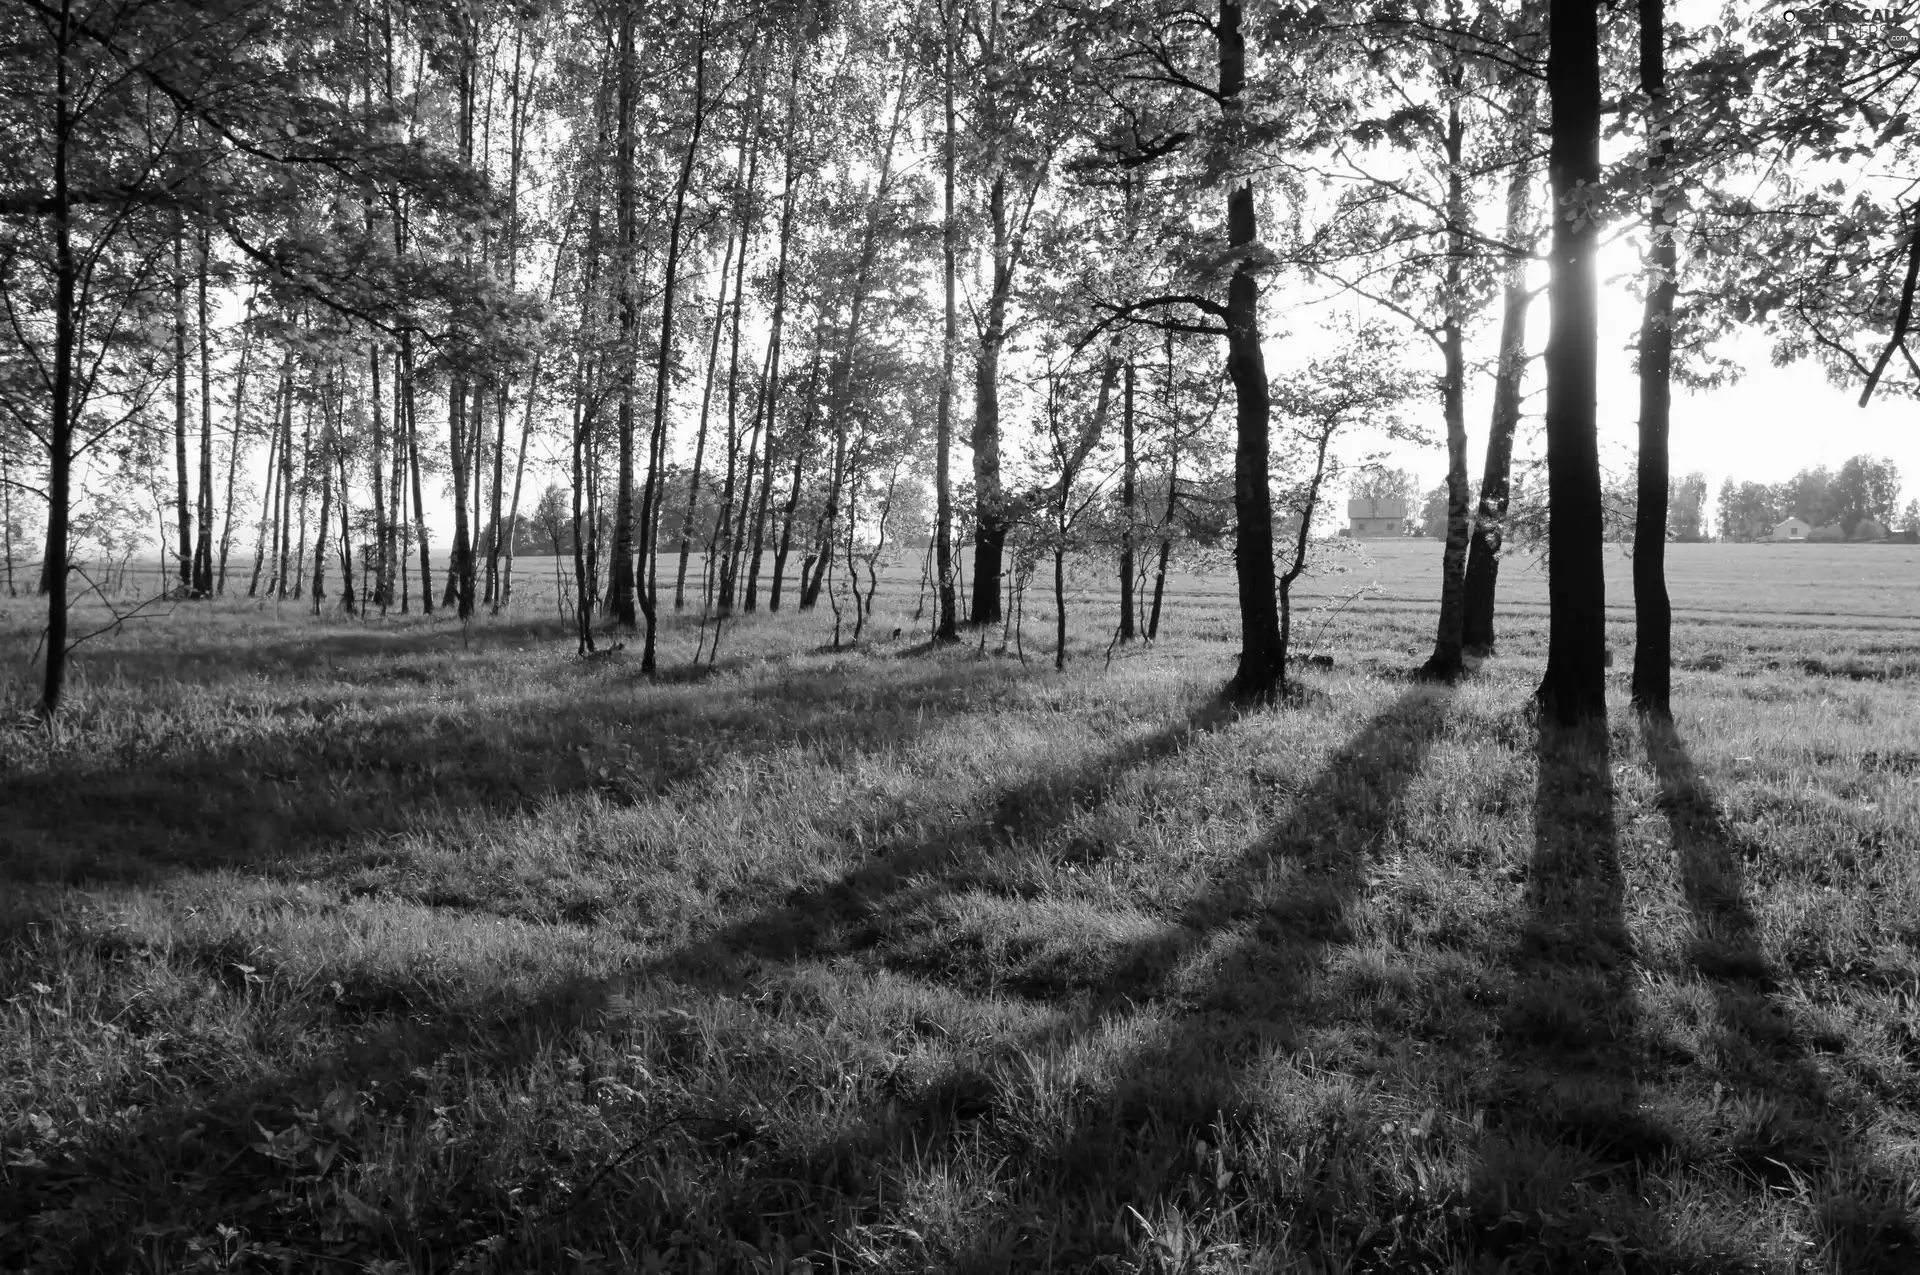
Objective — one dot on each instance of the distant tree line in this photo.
(1527, 515)
(1864, 490)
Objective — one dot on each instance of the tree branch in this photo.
(1898, 339)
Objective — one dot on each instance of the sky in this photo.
(1768, 425)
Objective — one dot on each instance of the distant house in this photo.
(1791, 529)
(1376, 519)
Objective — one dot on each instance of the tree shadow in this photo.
(208, 1155)
(337, 772)
(1186, 1015)
(1566, 1138)
(319, 648)
(864, 906)
(1154, 1090)
(1790, 1131)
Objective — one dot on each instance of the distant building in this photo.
(1371, 519)
(1791, 529)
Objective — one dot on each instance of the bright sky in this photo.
(1773, 422)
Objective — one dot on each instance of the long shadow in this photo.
(858, 909)
(1566, 1142)
(1796, 1131)
(1226, 984)
(200, 1159)
(344, 772)
(1227, 976)
(1238, 978)
(321, 647)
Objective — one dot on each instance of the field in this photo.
(392, 945)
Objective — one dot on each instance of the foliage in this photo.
(1864, 488)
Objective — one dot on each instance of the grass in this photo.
(394, 947)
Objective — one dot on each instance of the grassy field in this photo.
(397, 946)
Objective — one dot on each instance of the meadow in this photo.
(400, 945)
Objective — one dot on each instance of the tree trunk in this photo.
(516, 134)
(283, 536)
(462, 435)
(1489, 524)
(1166, 522)
(739, 534)
(1060, 589)
(770, 390)
(305, 492)
(1574, 688)
(663, 371)
(66, 328)
(1127, 475)
(989, 495)
(326, 511)
(203, 502)
(620, 593)
(840, 382)
(6, 519)
(413, 467)
(270, 505)
(1301, 536)
(582, 529)
(459, 589)
(519, 475)
(236, 431)
(346, 538)
(1653, 612)
(1262, 667)
(378, 571)
(726, 543)
(946, 626)
(477, 449)
(1445, 662)
(801, 436)
(700, 433)
(182, 511)
(394, 554)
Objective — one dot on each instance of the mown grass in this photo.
(397, 947)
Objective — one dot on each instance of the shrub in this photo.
(1868, 529)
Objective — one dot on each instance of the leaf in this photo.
(362, 1212)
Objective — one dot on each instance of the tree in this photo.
(1450, 91)
(1516, 300)
(1652, 609)
(1687, 509)
(171, 123)
(1574, 688)
(1747, 511)
(1361, 384)
(1865, 488)
(1377, 482)
(1435, 518)
(946, 623)
(1244, 126)
(1016, 127)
